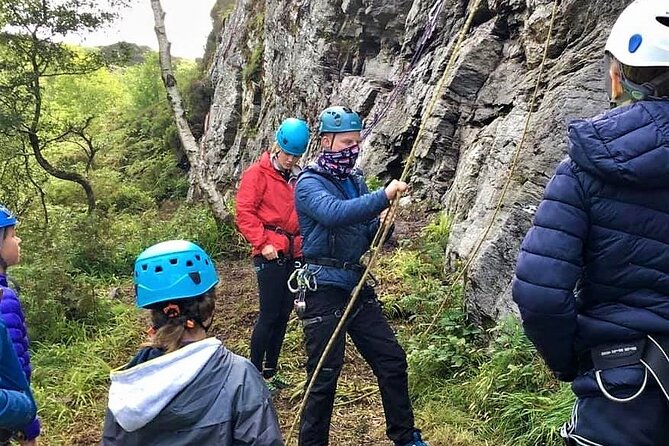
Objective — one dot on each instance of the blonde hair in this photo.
(641, 75)
(172, 319)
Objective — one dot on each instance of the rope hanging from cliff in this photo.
(403, 81)
(385, 226)
(514, 163)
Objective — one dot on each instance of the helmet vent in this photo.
(195, 277)
(197, 256)
(206, 262)
(159, 269)
(145, 267)
(189, 263)
(174, 261)
(663, 20)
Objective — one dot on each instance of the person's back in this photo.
(615, 185)
(621, 160)
(201, 394)
(592, 279)
(185, 388)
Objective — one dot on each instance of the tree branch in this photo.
(199, 167)
(42, 195)
(35, 144)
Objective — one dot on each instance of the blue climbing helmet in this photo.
(7, 219)
(339, 120)
(176, 269)
(293, 136)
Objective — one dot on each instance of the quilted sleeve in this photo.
(549, 265)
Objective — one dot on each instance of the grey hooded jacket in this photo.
(202, 394)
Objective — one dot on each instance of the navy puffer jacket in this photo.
(338, 219)
(594, 267)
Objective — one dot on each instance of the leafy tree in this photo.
(29, 55)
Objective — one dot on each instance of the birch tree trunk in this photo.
(199, 169)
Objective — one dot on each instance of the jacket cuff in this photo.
(33, 429)
(565, 376)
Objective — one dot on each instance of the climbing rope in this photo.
(403, 81)
(514, 163)
(386, 225)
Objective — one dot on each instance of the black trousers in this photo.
(276, 302)
(375, 340)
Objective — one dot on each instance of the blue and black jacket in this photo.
(338, 220)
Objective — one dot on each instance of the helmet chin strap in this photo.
(646, 91)
(3, 264)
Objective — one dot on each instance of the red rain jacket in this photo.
(265, 199)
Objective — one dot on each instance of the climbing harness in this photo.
(289, 235)
(652, 352)
(300, 281)
(335, 263)
(337, 314)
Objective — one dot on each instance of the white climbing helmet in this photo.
(640, 36)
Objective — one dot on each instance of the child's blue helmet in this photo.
(176, 269)
(7, 219)
(339, 120)
(293, 136)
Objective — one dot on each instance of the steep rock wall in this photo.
(277, 59)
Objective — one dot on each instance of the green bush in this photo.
(471, 387)
(70, 379)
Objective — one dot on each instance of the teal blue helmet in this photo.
(176, 269)
(339, 120)
(7, 219)
(293, 136)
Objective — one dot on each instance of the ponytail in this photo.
(170, 320)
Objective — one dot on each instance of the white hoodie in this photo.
(137, 395)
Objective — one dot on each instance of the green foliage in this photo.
(373, 183)
(252, 69)
(70, 377)
(471, 387)
(254, 35)
(438, 231)
(514, 392)
(219, 14)
(31, 55)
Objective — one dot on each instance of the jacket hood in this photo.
(138, 395)
(627, 146)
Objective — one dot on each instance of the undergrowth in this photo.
(471, 387)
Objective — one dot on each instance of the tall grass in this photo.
(71, 378)
(471, 386)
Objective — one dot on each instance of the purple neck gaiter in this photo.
(339, 164)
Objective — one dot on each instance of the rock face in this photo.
(277, 59)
